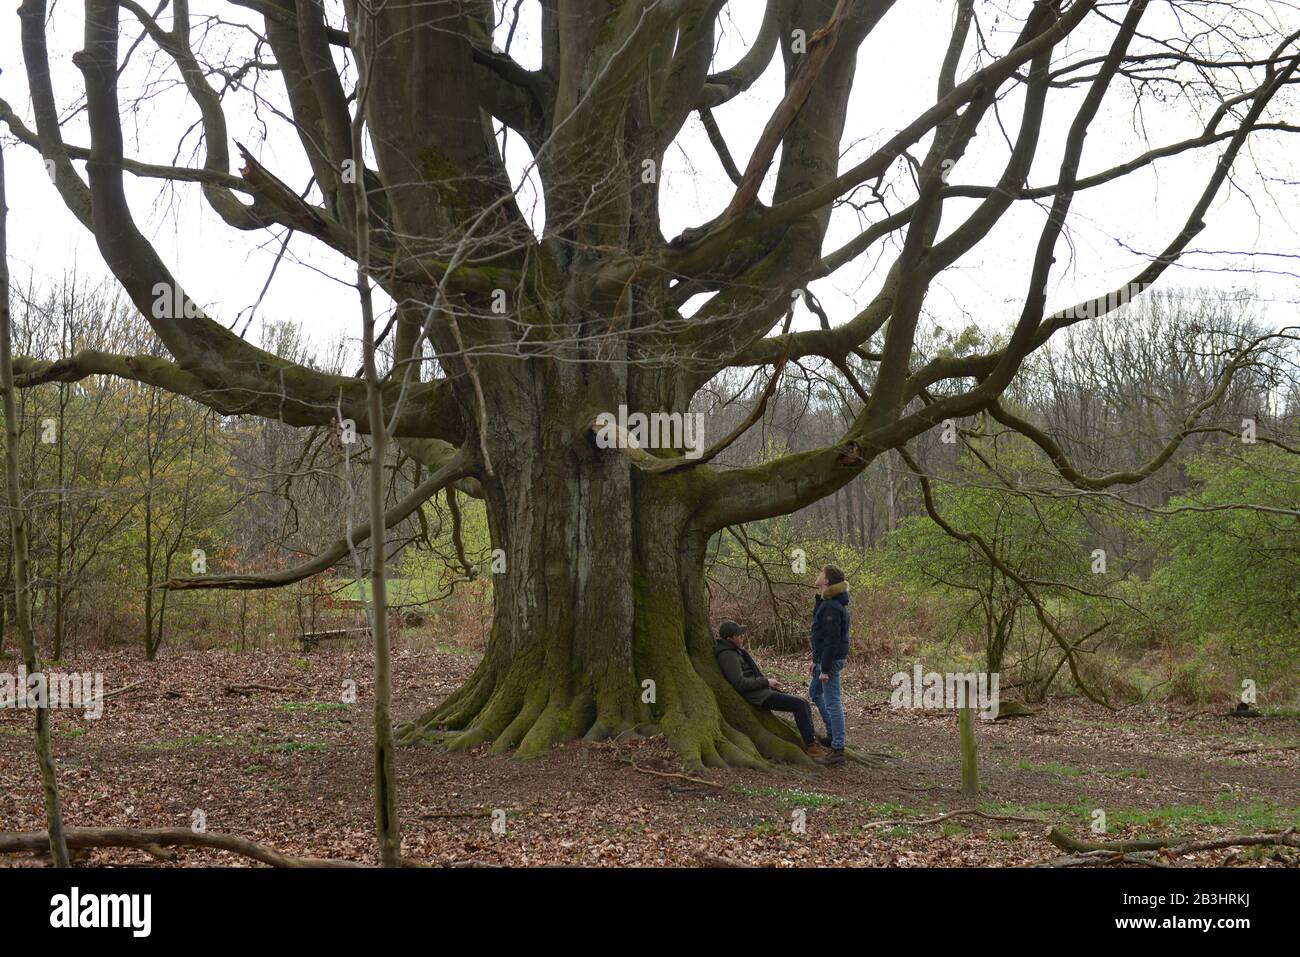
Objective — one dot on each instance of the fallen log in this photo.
(1076, 846)
(1097, 858)
(1149, 851)
(246, 690)
(122, 690)
(440, 815)
(150, 840)
(313, 638)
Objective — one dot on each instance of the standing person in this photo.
(830, 653)
(739, 667)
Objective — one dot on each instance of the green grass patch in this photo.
(889, 809)
(315, 707)
(1232, 811)
(454, 650)
(1253, 815)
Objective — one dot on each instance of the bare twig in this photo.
(670, 774)
(943, 817)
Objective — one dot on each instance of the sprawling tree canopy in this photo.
(516, 325)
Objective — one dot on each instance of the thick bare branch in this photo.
(459, 467)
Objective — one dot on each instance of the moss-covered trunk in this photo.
(601, 622)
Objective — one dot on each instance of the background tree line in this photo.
(1192, 571)
(131, 486)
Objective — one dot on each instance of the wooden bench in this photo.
(311, 639)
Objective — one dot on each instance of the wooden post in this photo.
(970, 783)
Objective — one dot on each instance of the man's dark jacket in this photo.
(830, 627)
(739, 667)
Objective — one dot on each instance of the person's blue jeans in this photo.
(826, 696)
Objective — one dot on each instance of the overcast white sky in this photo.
(1110, 227)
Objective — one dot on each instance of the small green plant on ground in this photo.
(190, 741)
(313, 706)
(791, 797)
(292, 747)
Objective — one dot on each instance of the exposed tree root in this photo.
(871, 759)
(704, 726)
(523, 709)
(152, 840)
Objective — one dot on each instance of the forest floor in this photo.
(291, 768)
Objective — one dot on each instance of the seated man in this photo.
(740, 668)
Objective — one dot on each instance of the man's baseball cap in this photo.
(730, 629)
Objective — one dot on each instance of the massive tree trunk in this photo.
(600, 618)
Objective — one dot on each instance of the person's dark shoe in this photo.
(824, 740)
(815, 751)
(832, 758)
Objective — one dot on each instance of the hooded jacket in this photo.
(830, 626)
(739, 667)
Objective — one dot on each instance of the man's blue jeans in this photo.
(826, 696)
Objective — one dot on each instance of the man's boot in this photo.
(815, 750)
(832, 757)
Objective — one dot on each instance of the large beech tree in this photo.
(510, 335)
